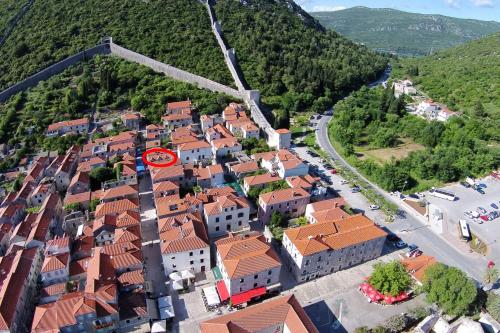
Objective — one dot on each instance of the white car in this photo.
(343, 182)
(420, 195)
(374, 207)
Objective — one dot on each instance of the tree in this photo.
(72, 207)
(100, 175)
(493, 305)
(390, 278)
(93, 204)
(479, 110)
(438, 282)
(491, 275)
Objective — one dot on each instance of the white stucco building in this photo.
(228, 213)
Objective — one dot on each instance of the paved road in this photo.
(411, 229)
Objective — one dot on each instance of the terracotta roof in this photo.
(260, 179)
(82, 177)
(165, 186)
(172, 172)
(131, 116)
(178, 116)
(209, 171)
(246, 255)
(282, 131)
(171, 205)
(78, 267)
(245, 167)
(131, 278)
(53, 290)
(182, 233)
(277, 312)
(327, 204)
(179, 105)
(67, 123)
(418, 265)
(129, 234)
(128, 218)
(284, 195)
(119, 192)
(77, 198)
(226, 143)
(306, 182)
(15, 269)
(332, 214)
(334, 235)
(226, 201)
(116, 207)
(53, 316)
(55, 262)
(193, 145)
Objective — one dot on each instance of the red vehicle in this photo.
(333, 171)
(484, 218)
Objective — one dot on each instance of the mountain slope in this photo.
(466, 77)
(175, 31)
(8, 10)
(405, 33)
(283, 51)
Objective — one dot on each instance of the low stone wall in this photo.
(53, 70)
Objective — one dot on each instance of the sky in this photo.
(475, 9)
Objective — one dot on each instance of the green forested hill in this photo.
(405, 33)
(466, 77)
(283, 51)
(176, 32)
(9, 9)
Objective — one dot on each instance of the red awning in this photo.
(222, 290)
(247, 295)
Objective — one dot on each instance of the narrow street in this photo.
(153, 271)
(410, 229)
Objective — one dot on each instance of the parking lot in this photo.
(469, 199)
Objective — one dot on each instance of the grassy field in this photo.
(384, 155)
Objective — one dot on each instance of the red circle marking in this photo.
(159, 150)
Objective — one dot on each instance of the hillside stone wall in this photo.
(12, 24)
(54, 69)
(170, 71)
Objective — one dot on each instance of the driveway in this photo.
(415, 227)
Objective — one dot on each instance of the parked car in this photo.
(400, 244)
(414, 196)
(355, 189)
(343, 182)
(495, 214)
(468, 213)
(481, 210)
(374, 207)
(480, 190)
(415, 253)
(494, 205)
(482, 185)
(412, 247)
(328, 167)
(465, 184)
(420, 195)
(484, 218)
(333, 171)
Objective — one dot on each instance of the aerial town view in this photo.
(250, 166)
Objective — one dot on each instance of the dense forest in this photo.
(9, 9)
(373, 118)
(176, 32)
(290, 57)
(404, 33)
(466, 78)
(104, 83)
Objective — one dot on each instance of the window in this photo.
(201, 251)
(268, 281)
(191, 262)
(216, 228)
(240, 214)
(229, 217)
(216, 219)
(174, 265)
(269, 272)
(255, 285)
(319, 258)
(256, 276)
(190, 254)
(307, 262)
(239, 223)
(202, 260)
(242, 280)
(228, 227)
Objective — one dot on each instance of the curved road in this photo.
(412, 228)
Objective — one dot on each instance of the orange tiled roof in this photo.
(194, 145)
(327, 204)
(260, 179)
(116, 207)
(284, 195)
(226, 143)
(67, 123)
(334, 235)
(418, 265)
(119, 192)
(245, 167)
(182, 233)
(246, 255)
(225, 201)
(179, 105)
(56, 262)
(266, 316)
